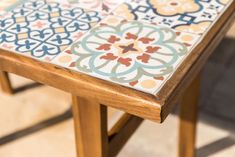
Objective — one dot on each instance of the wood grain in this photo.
(90, 127)
(129, 100)
(144, 105)
(5, 83)
(190, 68)
(188, 120)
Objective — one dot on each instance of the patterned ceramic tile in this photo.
(6, 5)
(130, 53)
(127, 48)
(43, 29)
(105, 6)
(193, 16)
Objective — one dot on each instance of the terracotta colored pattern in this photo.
(135, 43)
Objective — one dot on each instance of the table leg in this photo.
(5, 83)
(188, 120)
(90, 128)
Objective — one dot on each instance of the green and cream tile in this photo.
(6, 5)
(104, 6)
(131, 53)
(140, 45)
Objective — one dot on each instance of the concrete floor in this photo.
(37, 122)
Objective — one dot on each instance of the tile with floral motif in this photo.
(104, 6)
(42, 29)
(184, 15)
(6, 5)
(131, 53)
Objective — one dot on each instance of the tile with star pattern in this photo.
(43, 29)
(184, 15)
(135, 54)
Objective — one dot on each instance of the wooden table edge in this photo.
(144, 105)
(192, 65)
(110, 94)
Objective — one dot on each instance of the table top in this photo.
(139, 44)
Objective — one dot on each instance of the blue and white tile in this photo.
(43, 29)
(184, 15)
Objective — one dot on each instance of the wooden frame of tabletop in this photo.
(91, 96)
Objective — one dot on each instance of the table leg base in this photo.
(5, 83)
(92, 136)
(90, 128)
(188, 120)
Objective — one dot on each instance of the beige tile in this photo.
(57, 141)
(30, 107)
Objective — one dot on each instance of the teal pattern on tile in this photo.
(134, 43)
(105, 6)
(184, 15)
(44, 29)
(132, 53)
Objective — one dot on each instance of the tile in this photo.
(31, 107)
(139, 45)
(43, 29)
(184, 15)
(131, 53)
(7, 5)
(105, 6)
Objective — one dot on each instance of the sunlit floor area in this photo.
(37, 121)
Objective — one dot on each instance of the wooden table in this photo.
(141, 57)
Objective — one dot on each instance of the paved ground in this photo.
(53, 137)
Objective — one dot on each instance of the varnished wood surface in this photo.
(5, 83)
(134, 102)
(90, 128)
(190, 68)
(188, 120)
(131, 101)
